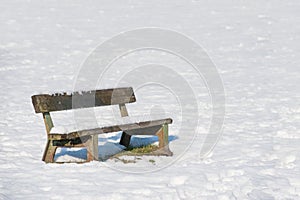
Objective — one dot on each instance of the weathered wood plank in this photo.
(56, 102)
(111, 129)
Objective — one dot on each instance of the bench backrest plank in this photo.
(56, 102)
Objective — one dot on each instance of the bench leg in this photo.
(163, 140)
(49, 152)
(92, 148)
(125, 139)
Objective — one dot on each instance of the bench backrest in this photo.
(44, 103)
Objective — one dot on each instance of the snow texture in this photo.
(255, 46)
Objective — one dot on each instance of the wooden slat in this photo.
(56, 102)
(110, 129)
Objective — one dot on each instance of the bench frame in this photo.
(45, 103)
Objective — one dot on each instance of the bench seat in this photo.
(139, 128)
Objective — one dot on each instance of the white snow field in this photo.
(255, 46)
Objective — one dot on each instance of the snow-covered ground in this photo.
(255, 46)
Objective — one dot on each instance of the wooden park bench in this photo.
(45, 103)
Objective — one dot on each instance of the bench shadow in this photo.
(71, 153)
(108, 147)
